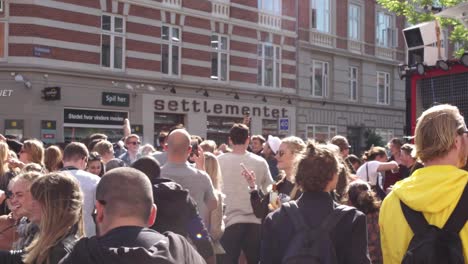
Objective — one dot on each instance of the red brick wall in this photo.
(369, 27)
(28, 30)
(26, 50)
(342, 24)
(54, 14)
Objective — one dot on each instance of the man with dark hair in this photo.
(257, 142)
(177, 211)
(391, 177)
(75, 158)
(242, 227)
(124, 210)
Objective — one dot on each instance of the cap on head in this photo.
(341, 142)
(274, 143)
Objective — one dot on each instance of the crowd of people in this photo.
(250, 200)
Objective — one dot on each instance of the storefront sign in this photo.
(85, 116)
(206, 107)
(51, 93)
(115, 99)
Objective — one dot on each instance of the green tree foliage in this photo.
(414, 11)
(373, 139)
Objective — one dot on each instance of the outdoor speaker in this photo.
(421, 42)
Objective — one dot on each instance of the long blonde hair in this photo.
(4, 153)
(212, 168)
(61, 214)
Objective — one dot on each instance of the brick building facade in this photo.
(199, 62)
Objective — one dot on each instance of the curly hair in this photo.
(360, 195)
(317, 168)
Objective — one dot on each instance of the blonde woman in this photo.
(285, 189)
(57, 209)
(216, 225)
(31, 152)
(5, 173)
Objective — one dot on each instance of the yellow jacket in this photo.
(433, 190)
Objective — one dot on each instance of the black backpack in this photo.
(432, 245)
(312, 245)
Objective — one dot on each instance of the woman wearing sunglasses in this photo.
(285, 189)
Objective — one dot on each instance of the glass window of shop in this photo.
(321, 133)
(269, 127)
(72, 134)
(164, 122)
(14, 129)
(218, 128)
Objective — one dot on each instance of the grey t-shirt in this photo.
(161, 157)
(88, 183)
(196, 181)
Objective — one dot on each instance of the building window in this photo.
(320, 15)
(321, 133)
(319, 79)
(269, 66)
(170, 50)
(219, 57)
(270, 6)
(385, 134)
(112, 42)
(354, 22)
(383, 88)
(385, 35)
(353, 83)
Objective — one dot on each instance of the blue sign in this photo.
(284, 124)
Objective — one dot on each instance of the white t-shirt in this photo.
(368, 172)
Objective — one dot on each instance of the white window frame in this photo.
(385, 134)
(220, 52)
(113, 34)
(353, 83)
(264, 6)
(385, 34)
(320, 14)
(325, 78)
(354, 22)
(332, 131)
(2, 5)
(386, 95)
(171, 42)
(261, 60)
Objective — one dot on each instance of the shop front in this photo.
(79, 123)
(212, 118)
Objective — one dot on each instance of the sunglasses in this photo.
(134, 143)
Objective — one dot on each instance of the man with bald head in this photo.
(179, 170)
(124, 211)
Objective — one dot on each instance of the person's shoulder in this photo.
(82, 175)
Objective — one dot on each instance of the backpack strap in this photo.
(459, 215)
(292, 211)
(415, 219)
(335, 217)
